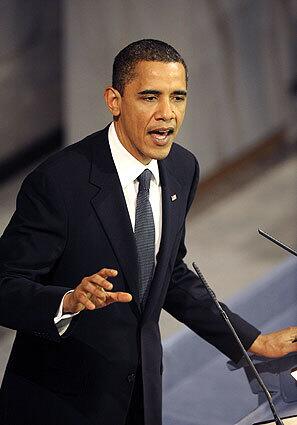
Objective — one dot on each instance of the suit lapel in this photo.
(111, 209)
(110, 206)
(171, 198)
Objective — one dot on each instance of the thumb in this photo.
(119, 297)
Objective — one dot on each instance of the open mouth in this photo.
(161, 133)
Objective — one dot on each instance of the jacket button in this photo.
(131, 378)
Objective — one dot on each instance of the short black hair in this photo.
(141, 50)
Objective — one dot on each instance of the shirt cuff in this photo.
(62, 321)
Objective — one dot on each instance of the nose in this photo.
(165, 110)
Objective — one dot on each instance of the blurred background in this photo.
(56, 59)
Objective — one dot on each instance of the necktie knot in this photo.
(145, 180)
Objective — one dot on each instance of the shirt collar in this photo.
(128, 167)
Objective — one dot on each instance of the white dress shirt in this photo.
(128, 169)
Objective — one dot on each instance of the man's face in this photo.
(152, 109)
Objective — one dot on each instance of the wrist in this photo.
(258, 346)
(68, 303)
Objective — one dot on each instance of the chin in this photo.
(160, 154)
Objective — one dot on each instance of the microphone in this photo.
(278, 420)
(281, 244)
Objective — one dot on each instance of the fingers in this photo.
(91, 294)
(290, 348)
(292, 332)
(118, 297)
(100, 280)
(97, 284)
(291, 336)
(99, 302)
(107, 273)
(94, 291)
(84, 300)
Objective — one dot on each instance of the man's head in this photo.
(148, 50)
(148, 98)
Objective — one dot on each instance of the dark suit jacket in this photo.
(71, 220)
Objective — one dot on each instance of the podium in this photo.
(199, 389)
(277, 377)
(262, 415)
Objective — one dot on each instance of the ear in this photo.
(113, 101)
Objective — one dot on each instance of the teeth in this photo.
(161, 131)
(160, 136)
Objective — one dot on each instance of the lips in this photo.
(161, 134)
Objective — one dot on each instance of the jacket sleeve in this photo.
(189, 302)
(30, 247)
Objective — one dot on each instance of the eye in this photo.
(149, 98)
(179, 98)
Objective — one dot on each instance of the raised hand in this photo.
(94, 292)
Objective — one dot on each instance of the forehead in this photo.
(153, 74)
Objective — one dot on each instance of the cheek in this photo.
(143, 121)
(180, 115)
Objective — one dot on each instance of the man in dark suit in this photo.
(93, 253)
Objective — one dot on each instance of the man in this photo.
(95, 250)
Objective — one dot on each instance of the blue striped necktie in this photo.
(144, 235)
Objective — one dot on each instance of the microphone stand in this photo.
(277, 419)
(277, 242)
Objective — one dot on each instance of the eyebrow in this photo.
(157, 92)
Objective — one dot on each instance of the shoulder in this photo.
(73, 160)
(184, 156)
(182, 163)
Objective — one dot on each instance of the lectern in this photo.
(276, 374)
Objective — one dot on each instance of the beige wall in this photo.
(238, 54)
